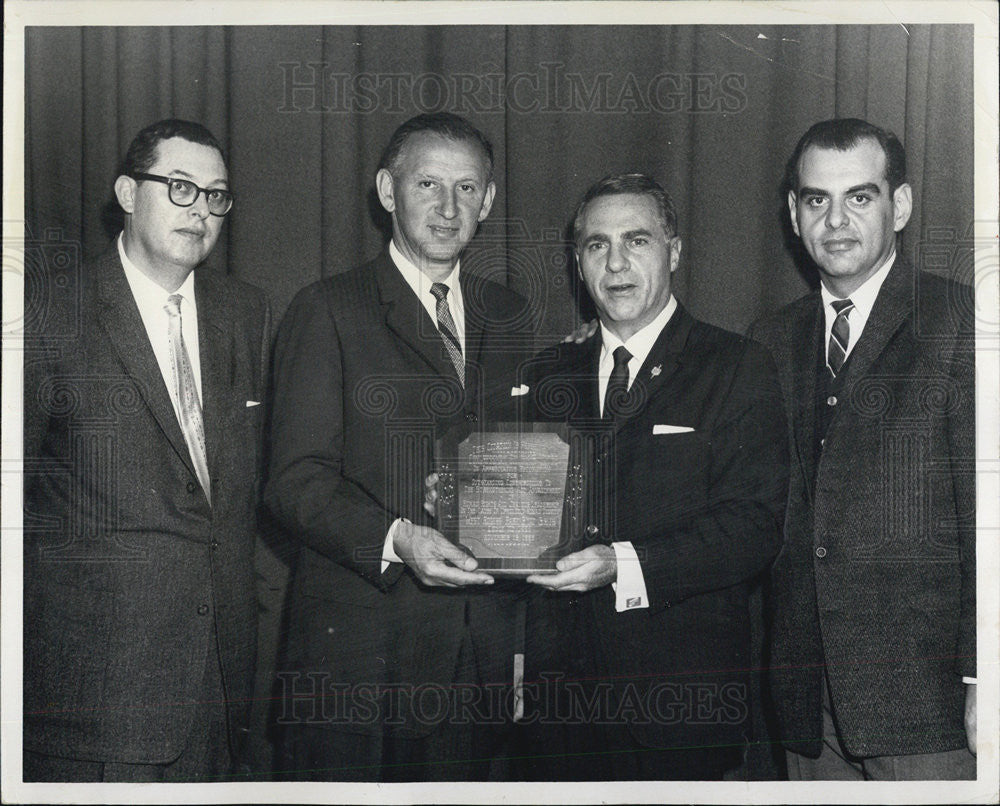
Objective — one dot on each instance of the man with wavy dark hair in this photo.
(637, 654)
(873, 597)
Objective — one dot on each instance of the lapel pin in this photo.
(656, 371)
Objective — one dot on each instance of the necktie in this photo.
(448, 330)
(187, 393)
(617, 391)
(840, 336)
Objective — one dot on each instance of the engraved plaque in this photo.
(503, 495)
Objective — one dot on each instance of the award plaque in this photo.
(504, 494)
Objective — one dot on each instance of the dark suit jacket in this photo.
(126, 567)
(703, 510)
(889, 608)
(362, 385)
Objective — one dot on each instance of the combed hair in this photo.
(638, 184)
(444, 124)
(141, 154)
(844, 134)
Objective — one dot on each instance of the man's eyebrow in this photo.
(867, 187)
(597, 236)
(634, 233)
(439, 177)
(177, 172)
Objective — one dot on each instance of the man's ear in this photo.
(675, 252)
(793, 212)
(125, 192)
(902, 206)
(484, 211)
(383, 186)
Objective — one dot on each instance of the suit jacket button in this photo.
(472, 417)
(821, 552)
(592, 530)
(202, 610)
(215, 545)
(831, 400)
(192, 487)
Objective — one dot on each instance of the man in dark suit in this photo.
(142, 462)
(393, 636)
(873, 604)
(637, 652)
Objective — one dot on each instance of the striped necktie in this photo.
(187, 394)
(840, 336)
(448, 330)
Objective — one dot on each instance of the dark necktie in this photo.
(840, 336)
(617, 391)
(187, 393)
(448, 330)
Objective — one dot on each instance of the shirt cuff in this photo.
(630, 587)
(388, 551)
(970, 680)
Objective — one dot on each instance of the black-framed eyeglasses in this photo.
(184, 193)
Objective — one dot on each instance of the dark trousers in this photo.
(574, 728)
(603, 752)
(464, 744)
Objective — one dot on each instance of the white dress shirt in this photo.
(151, 298)
(863, 298)
(630, 586)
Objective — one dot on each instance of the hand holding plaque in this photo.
(504, 493)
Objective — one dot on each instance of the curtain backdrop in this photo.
(712, 111)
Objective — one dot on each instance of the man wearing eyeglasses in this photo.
(142, 433)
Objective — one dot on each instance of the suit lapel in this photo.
(407, 318)
(663, 360)
(476, 312)
(120, 318)
(892, 307)
(214, 339)
(805, 334)
(585, 378)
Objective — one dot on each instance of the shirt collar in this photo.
(147, 291)
(416, 279)
(864, 296)
(641, 342)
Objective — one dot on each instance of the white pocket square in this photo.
(517, 391)
(252, 403)
(671, 429)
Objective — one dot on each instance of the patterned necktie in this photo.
(448, 330)
(840, 336)
(187, 393)
(617, 392)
